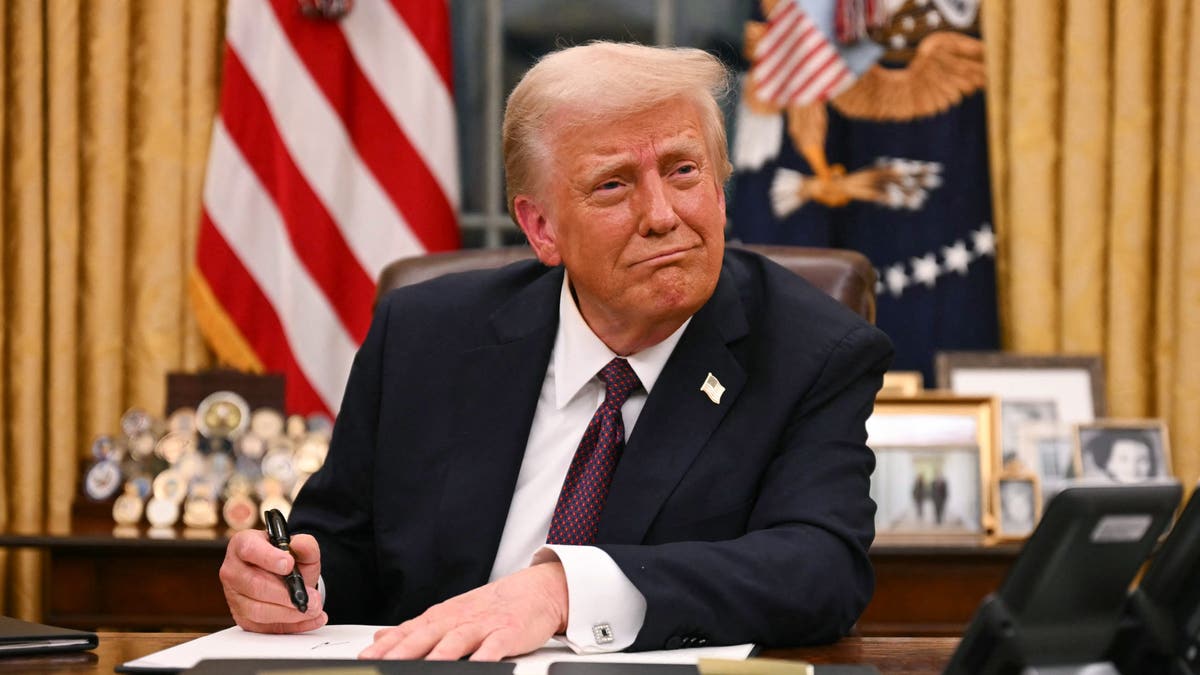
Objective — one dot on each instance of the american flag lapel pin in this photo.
(713, 388)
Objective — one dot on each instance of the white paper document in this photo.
(346, 641)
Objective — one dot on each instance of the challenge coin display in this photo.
(102, 480)
(135, 422)
(222, 414)
(266, 423)
(171, 486)
(127, 510)
(218, 462)
(183, 421)
(162, 512)
(172, 446)
(240, 513)
(141, 446)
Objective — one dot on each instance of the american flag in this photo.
(795, 63)
(333, 153)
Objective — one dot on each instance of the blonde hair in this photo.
(601, 81)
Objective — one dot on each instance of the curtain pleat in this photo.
(1083, 175)
(1182, 367)
(1132, 228)
(63, 218)
(1033, 149)
(25, 246)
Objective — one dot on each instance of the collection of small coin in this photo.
(217, 454)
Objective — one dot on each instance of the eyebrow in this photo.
(673, 149)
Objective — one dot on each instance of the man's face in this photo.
(635, 211)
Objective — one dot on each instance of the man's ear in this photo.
(538, 229)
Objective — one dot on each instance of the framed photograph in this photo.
(1032, 389)
(1123, 451)
(934, 465)
(1047, 450)
(1018, 507)
(902, 383)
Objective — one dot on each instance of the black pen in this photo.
(278, 534)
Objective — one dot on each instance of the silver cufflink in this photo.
(603, 633)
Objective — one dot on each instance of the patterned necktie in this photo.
(577, 513)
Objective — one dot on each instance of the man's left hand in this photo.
(510, 616)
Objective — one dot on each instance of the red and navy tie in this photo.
(577, 513)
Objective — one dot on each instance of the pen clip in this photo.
(277, 530)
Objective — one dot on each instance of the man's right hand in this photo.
(252, 578)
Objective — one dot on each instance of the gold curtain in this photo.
(107, 112)
(1095, 140)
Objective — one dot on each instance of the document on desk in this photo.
(346, 641)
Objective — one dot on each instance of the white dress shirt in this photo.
(598, 592)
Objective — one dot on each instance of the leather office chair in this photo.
(845, 275)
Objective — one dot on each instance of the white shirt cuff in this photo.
(606, 611)
(321, 588)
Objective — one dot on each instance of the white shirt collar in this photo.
(579, 354)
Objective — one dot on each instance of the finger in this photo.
(306, 549)
(423, 636)
(252, 547)
(256, 584)
(494, 647)
(457, 643)
(385, 639)
(265, 613)
(279, 628)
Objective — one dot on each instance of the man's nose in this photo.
(658, 213)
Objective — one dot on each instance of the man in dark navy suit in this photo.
(642, 441)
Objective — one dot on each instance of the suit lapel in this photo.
(678, 418)
(498, 385)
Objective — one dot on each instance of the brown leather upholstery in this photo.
(845, 275)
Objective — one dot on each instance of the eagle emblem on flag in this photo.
(805, 56)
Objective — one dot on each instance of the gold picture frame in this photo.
(902, 383)
(1143, 457)
(935, 462)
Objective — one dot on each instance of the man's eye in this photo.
(609, 185)
(686, 169)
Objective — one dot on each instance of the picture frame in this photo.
(1048, 450)
(1032, 388)
(902, 383)
(1123, 451)
(1018, 505)
(934, 467)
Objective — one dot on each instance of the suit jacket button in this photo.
(700, 642)
(674, 642)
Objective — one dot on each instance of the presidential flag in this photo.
(333, 154)
(894, 165)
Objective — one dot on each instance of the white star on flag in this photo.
(957, 257)
(925, 269)
(897, 280)
(985, 240)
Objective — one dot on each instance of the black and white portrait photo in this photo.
(1015, 415)
(1018, 506)
(1124, 453)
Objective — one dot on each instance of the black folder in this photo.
(24, 637)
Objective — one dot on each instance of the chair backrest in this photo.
(845, 275)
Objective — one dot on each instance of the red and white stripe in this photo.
(795, 63)
(334, 154)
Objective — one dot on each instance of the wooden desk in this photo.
(96, 579)
(907, 656)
